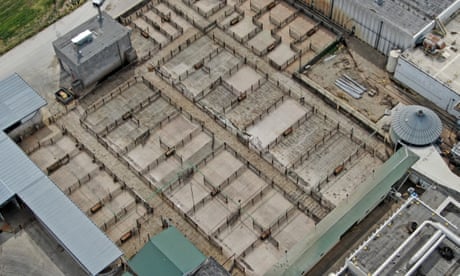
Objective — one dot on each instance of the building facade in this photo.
(94, 49)
(385, 25)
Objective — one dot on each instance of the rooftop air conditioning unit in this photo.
(82, 38)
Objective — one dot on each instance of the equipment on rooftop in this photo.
(433, 44)
(412, 226)
(98, 4)
(82, 38)
(446, 252)
(455, 154)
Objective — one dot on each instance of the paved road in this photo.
(34, 59)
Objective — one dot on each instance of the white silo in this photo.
(393, 60)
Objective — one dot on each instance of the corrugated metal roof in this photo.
(73, 229)
(91, 248)
(16, 170)
(408, 15)
(168, 253)
(17, 100)
(329, 230)
(178, 249)
(151, 261)
(416, 125)
(15, 174)
(5, 192)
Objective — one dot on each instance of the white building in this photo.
(385, 24)
(435, 76)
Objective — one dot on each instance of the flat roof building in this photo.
(420, 238)
(434, 74)
(94, 49)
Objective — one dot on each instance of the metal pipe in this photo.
(425, 256)
(332, 10)
(404, 244)
(379, 34)
(351, 85)
(373, 236)
(437, 213)
(427, 246)
(409, 201)
(348, 90)
(354, 82)
(450, 235)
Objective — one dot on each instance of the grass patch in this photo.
(21, 19)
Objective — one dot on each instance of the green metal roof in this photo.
(328, 231)
(168, 253)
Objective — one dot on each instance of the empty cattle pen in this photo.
(213, 187)
(210, 132)
(95, 189)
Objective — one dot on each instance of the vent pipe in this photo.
(98, 4)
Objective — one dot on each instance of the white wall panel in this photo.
(438, 93)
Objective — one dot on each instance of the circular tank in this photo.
(415, 125)
(393, 60)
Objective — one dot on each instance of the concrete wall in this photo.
(66, 64)
(101, 64)
(413, 77)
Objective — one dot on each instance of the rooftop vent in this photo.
(82, 38)
(446, 252)
(412, 226)
(98, 4)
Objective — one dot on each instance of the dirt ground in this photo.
(364, 65)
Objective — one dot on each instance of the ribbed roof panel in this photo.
(416, 125)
